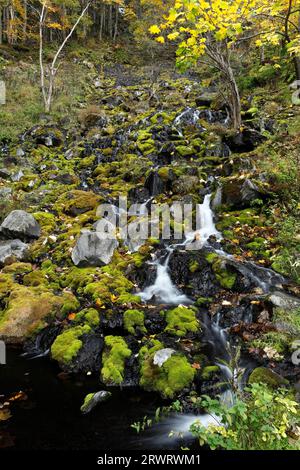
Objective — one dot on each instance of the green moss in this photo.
(67, 345)
(113, 360)
(193, 266)
(86, 162)
(268, 377)
(225, 277)
(174, 375)
(46, 221)
(209, 371)
(203, 301)
(181, 320)
(70, 303)
(35, 278)
(77, 202)
(78, 278)
(134, 319)
(89, 316)
(18, 268)
(185, 151)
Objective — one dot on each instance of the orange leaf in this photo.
(196, 365)
(71, 316)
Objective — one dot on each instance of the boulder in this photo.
(244, 141)
(20, 224)
(154, 184)
(27, 310)
(268, 377)
(284, 301)
(12, 250)
(206, 99)
(93, 249)
(240, 193)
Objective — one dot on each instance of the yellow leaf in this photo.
(160, 39)
(154, 29)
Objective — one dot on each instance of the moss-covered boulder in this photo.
(134, 321)
(27, 310)
(181, 320)
(68, 344)
(175, 374)
(267, 376)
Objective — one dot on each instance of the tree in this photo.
(47, 81)
(209, 32)
(280, 23)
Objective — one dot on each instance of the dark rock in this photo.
(92, 249)
(205, 99)
(88, 358)
(12, 250)
(240, 193)
(5, 174)
(154, 184)
(244, 141)
(20, 224)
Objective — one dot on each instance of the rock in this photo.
(27, 309)
(5, 174)
(162, 356)
(240, 193)
(268, 377)
(20, 224)
(12, 250)
(284, 301)
(20, 152)
(17, 176)
(93, 249)
(206, 99)
(185, 184)
(92, 399)
(244, 141)
(154, 184)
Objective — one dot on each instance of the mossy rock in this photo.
(181, 320)
(67, 345)
(224, 276)
(26, 312)
(89, 316)
(77, 202)
(173, 376)
(267, 376)
(115, 354)
(209, 371)
(133, 320)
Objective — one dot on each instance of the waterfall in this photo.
(163, 289)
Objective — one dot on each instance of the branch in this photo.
(70, 33)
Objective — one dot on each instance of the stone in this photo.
(284, 301)
(5, 174)
(93, 399)
(161, 356)
(268, 377)
(12, 250)
(27, 310)
(205, 99)
(244, 141)
(154, 184)
(93, 249)
(20, 224)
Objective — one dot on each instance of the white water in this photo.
(163, 289)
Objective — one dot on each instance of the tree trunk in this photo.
(296, 60)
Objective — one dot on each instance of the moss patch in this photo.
(113, 359)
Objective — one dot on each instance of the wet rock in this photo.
(88, 358)
(92, 249)
(93, 399)
(244, 141)
(185, 184)
(12, 250)
(20, 224)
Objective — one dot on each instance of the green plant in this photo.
(260, 419)
(114, 356)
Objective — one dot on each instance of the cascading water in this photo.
(163, 289)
